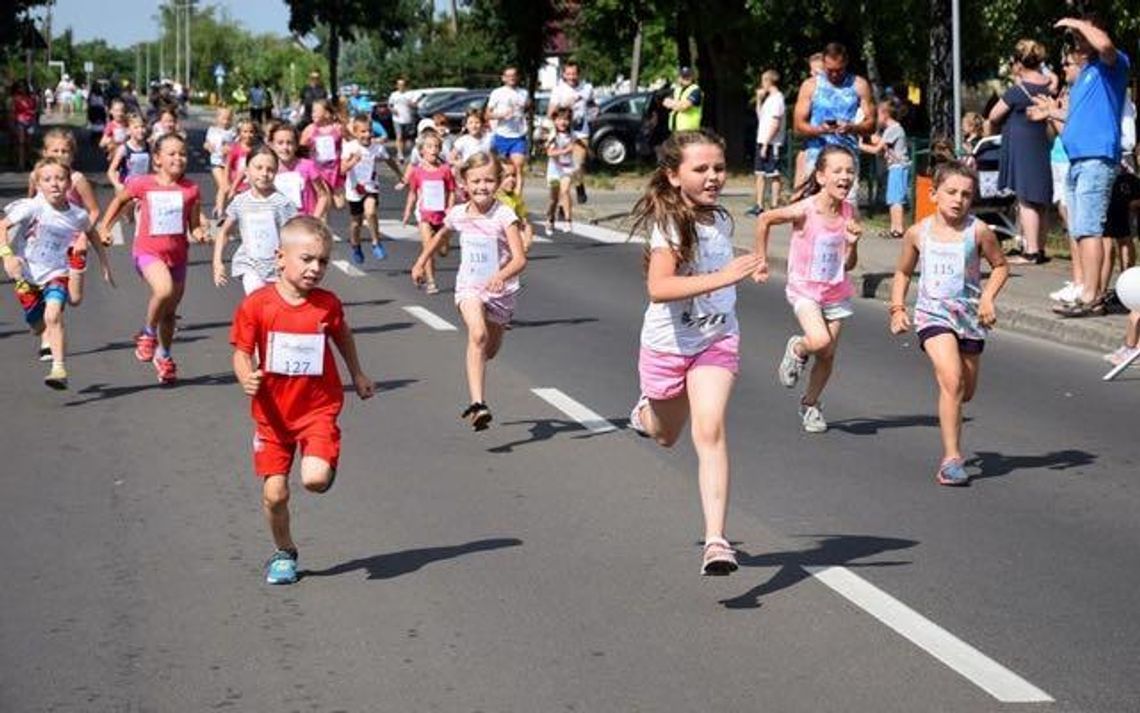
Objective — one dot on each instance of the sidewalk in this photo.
(1023, 305)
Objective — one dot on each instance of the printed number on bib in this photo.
(712, 309)
(291, 184)
(165, 212)
(259, 233)
(326, 148)
(138, 164)
(827, 259)
(944, 269)
(434, 196)
(480, 258)
(119, 135)
(295, 354)
(364, 172)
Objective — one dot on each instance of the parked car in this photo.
(434, 98)
(456, 108)
(620, 133)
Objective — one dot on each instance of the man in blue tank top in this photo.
(834, 107)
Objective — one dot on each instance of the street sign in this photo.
(88, 67)
(219, 71)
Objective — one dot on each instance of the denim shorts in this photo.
(898, 185)
(1088, 188)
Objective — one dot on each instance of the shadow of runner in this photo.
(995, 465)
(102, 392)
(543, 429)
(130, 344)
(829, 551)
(395, 564)
(524, 323)
(871, 426)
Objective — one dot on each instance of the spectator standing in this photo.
(890, 144)
(25, 113)
(1091, 137)
(771, 127)
(312, 91)
(687, 103)
(833, 107)
(402, 104)
(259, 104)
(1025, 167)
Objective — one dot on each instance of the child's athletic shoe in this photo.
(431, 288)
(792, 365)
(812, 418)
(76, 262)
(56, 378)
(45, 352)
(145, 346)
(719, 559)
(378, 251)
(478, 415)
(358, 254)
(166, 369)
(1067, 293)
(755, 210)
(1121, 355)
(281, 568)
(635, 416)
(952, 473)
(581, 193)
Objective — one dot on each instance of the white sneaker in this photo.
(635, 416)
(791, 365)
(1068, 293)
(1122, 355)
(812, 418)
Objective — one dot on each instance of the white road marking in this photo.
(348, 268)
(591, 420)
(430, 318)
(995, 679)
(604, 235)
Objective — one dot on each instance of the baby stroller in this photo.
(993, 205)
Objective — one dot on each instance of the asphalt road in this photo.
(542, 565)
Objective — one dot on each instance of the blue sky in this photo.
(133, 20)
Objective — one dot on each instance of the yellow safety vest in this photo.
(689, 119)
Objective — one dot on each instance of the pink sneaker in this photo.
(719, 559)
(167, 370)
(145, 345)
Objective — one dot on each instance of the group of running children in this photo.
(690, 337)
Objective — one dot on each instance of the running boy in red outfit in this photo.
(295, 387)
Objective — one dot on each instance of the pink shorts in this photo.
(663, 374)
(145, 260)
(499, 309)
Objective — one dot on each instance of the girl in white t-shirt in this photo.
(690, 340)
(491, 259)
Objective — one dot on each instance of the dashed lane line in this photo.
(589, 419)
(985, 673)
(430, 318)
(348, 268)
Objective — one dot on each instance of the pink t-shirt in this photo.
(816, 257)
(433, 185)
(483, 245)
(236, 160)
(297, 183)
(164, 217)
(325, 145)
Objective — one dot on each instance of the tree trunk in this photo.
(334, 62)
(940, 90)
(869, 55)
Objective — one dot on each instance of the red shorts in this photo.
(274, 449)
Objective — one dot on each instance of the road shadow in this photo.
(130, 344)
(525, 323)
(378, 328)
(871, 281)
(384, 386)
(829, 551)
(199, 326)
(103, 392)
(871, 426)
(366, 303)
(15, 333)
(395, 564)
(543, 429)
(995, 465)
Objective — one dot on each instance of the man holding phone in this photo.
(833, 107)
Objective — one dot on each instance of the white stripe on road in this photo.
(430, 318)
(348, 268)
(604, 235)
(995, 679)
(591, 420)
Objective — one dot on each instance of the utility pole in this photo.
(635, 68)
(454, 18)
(177, 73)
(189, 15)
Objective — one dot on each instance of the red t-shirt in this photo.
(162, 231)
(422, 174)
(284, 402)
(236, 160)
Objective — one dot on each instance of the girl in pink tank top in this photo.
(825, 234)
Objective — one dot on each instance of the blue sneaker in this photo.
(282, 568)
(378, 251)
(755, 210)
(952, 473)
(358, 254)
